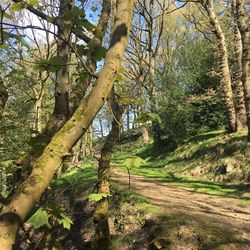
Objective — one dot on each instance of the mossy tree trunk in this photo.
(14, 213)
(102, 233)
(243, 20)
(226, 83)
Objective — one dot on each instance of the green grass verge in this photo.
(201, 151)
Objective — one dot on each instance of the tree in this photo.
(13, 214)
(242, 17)
(224, 64)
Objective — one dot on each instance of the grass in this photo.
(202, 152)
(80, 179)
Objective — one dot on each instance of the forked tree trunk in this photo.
(239, 92)
(13, 214)
(243, 20)
(60, 115)
(102, 233)
(226, 83)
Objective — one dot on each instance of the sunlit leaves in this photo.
(146, 116)
(17, 6)
(39, 218)
(98, 197)
(42, 216)
(33, 2)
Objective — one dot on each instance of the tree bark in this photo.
(240, 102)
(243, 20)
(102, 234)
(3, 97)
(13, 214)
(224, 65)
(63, 109)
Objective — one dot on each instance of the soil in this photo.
(203, 221)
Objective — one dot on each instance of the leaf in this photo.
(33, 2)
(65, 221)
(4, 46)
(17, 6)
(78, 12)
(99, 53)
(81, 49)
(39, 218)
(98, 197)
(56, 62)
(7, 15)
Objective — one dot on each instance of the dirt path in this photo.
(222, 213)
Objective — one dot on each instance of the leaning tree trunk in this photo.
(243, 20)
(3, 97)
(14, 213)
(239, 91)
(102, 234)
(224, 65)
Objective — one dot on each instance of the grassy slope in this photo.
(192, 164)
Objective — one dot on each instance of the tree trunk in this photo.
(239, 91)
(61, 109)
(243, 20)
(102, 234)
(38, 105)
(13, 214)
(60, 116)
(224, 65)
(3, 97)
(128, 119)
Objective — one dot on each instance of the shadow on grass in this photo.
(226, 148)
(199, 186)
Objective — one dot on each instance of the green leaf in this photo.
(99, 53)
(81, 49)
(65, 221)
(39, 218)
(56, 62)
(33, 2)
(4, 46)
(98, 197)
(7, 16)
(78, 12)
(17, 6)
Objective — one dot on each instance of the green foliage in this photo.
(145, 117)
(134, 161)
(58, 212)
(17, 6)
(198, 153)
(52, 64)
(39, 218)
(33, 2)
(98, 196)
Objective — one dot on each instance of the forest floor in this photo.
(213, 221)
